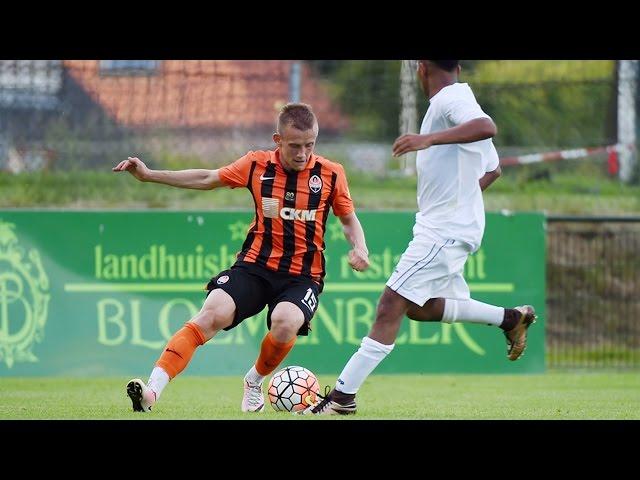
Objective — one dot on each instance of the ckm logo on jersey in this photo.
(294, 214)
(315, 183)
(270, 210)
(24, 299)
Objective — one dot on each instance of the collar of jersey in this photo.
(443, 88)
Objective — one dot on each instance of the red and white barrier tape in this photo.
(563, 154)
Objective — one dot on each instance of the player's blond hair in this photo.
(298, 115)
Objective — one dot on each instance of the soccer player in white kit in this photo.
(456, 161)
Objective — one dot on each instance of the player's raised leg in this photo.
(513, 321)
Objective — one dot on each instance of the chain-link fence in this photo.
(563, 124)
(63, 113)
(593, 281)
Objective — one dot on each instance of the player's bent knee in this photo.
(217, 319)
(416, 314)
(214, 316)
(286, 325)
(286, 316)
(431, 311)
(218, 310)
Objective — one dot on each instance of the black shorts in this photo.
(253, 287)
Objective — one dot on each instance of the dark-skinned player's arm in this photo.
(198, 178)
(490, 177)
(471, 131)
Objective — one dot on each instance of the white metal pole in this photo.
(627, 91)
(408, 111)
(295, 82)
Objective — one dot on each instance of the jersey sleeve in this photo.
(462, 111)
(342, 204)
(492, 160)
(236, 174)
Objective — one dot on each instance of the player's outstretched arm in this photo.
(489, 177)
(359, 255)
(471, 131)
(199, 178)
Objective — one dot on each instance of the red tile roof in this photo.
(222, 94)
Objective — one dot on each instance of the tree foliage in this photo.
(535, 103)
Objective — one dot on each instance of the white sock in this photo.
(471, 311)
(158, 380)
(361, 364)
(253, 376)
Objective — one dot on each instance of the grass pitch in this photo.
(556, 395)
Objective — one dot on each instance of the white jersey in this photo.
(449, 196)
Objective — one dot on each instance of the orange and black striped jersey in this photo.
(287, 233)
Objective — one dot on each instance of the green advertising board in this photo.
(98, 293)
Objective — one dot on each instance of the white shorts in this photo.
(431, 269)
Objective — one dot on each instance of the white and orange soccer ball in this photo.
(293, 389)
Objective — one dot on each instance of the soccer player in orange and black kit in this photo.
(281, 264)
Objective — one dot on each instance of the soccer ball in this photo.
(293, 389)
